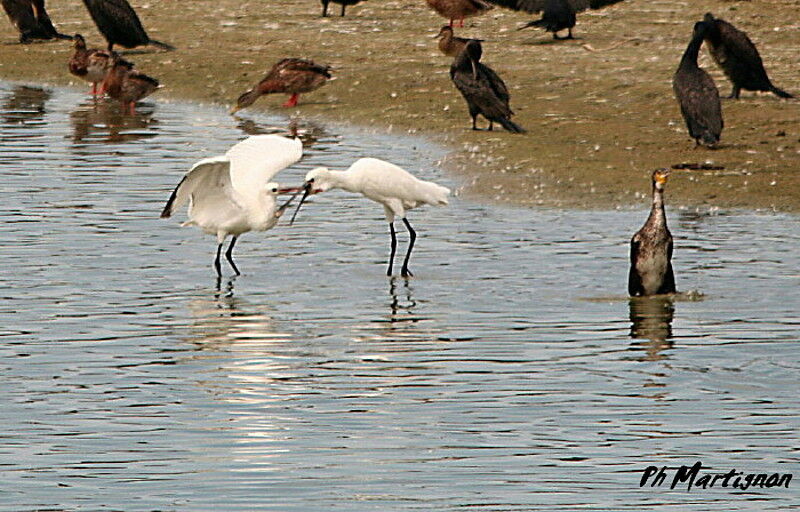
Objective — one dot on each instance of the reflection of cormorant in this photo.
(102, 122)
(119, 24)
(25, 104)
(557, 15)
(651, 318)
(738, 57)
(31, 20)
(486, 94)
(697, 94)
(651, 248)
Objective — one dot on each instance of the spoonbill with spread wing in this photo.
(233, 193)
(385, 183)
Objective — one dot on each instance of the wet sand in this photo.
(599, 110)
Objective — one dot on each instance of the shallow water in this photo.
(511, 373)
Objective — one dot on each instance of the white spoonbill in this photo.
(384, 183)
(232, 194)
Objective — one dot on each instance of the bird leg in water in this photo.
(394, 248)
(413, 236)
(216, 260)
(292, 101)
(229, 255)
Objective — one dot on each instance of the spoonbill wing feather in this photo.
(256, 159)
(208, 186)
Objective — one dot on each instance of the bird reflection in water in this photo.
(309, 133)
(102, 122)
(25, 105)
(651, 319)
(405, 306)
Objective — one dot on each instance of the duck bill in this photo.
(307, 191)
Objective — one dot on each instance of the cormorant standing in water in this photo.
(738, 57)
(484, 91)
(31, 20)
(119, 24)
(557, 15)
(651, 248)
(697, 94)
(344, 3)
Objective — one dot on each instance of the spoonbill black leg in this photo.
(394, 249)
(412, 236)
(216, 260)
(229, 255)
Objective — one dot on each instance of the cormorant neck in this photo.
(657, 211)
(690, 55)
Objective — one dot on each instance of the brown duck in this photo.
(449, 43)
(288, 76)
(127, 85)
(89, 64)
(458, 9)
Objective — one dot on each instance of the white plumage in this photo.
(233, 193)
(385, 183)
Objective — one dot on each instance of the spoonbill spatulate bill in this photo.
(385, 183)
(233, 193)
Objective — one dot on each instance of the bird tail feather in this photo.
(511, 126)
(536, 23)
(780, 92)
(163, 46)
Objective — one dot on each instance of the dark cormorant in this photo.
(450, 44)
(557, 15)
(458, 9)
(127, 85)
(484, 91)
(31, 20)
(651, 248)
(343, 3)
(119, 24)
(89, 64)
(290, 76)
(738, 57)
(697, 94)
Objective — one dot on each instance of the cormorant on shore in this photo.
(484, 91)
(119, 24)
(343, 3)
(290, 76)
(697, 94)
(31, 20)
(738, 57)
(557, 15)
(651, 248)
(450, 44)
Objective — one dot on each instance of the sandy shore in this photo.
(599, 110)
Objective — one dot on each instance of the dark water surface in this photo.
(510, 374)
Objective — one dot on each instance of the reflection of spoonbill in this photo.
(385, 183)
(231, 194)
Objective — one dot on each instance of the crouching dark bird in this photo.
(738, 57)
(482, 88)
(651, 248)
(557, 15)
(31, 20)
(343, 3)
(697, 94)
(119, 24)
